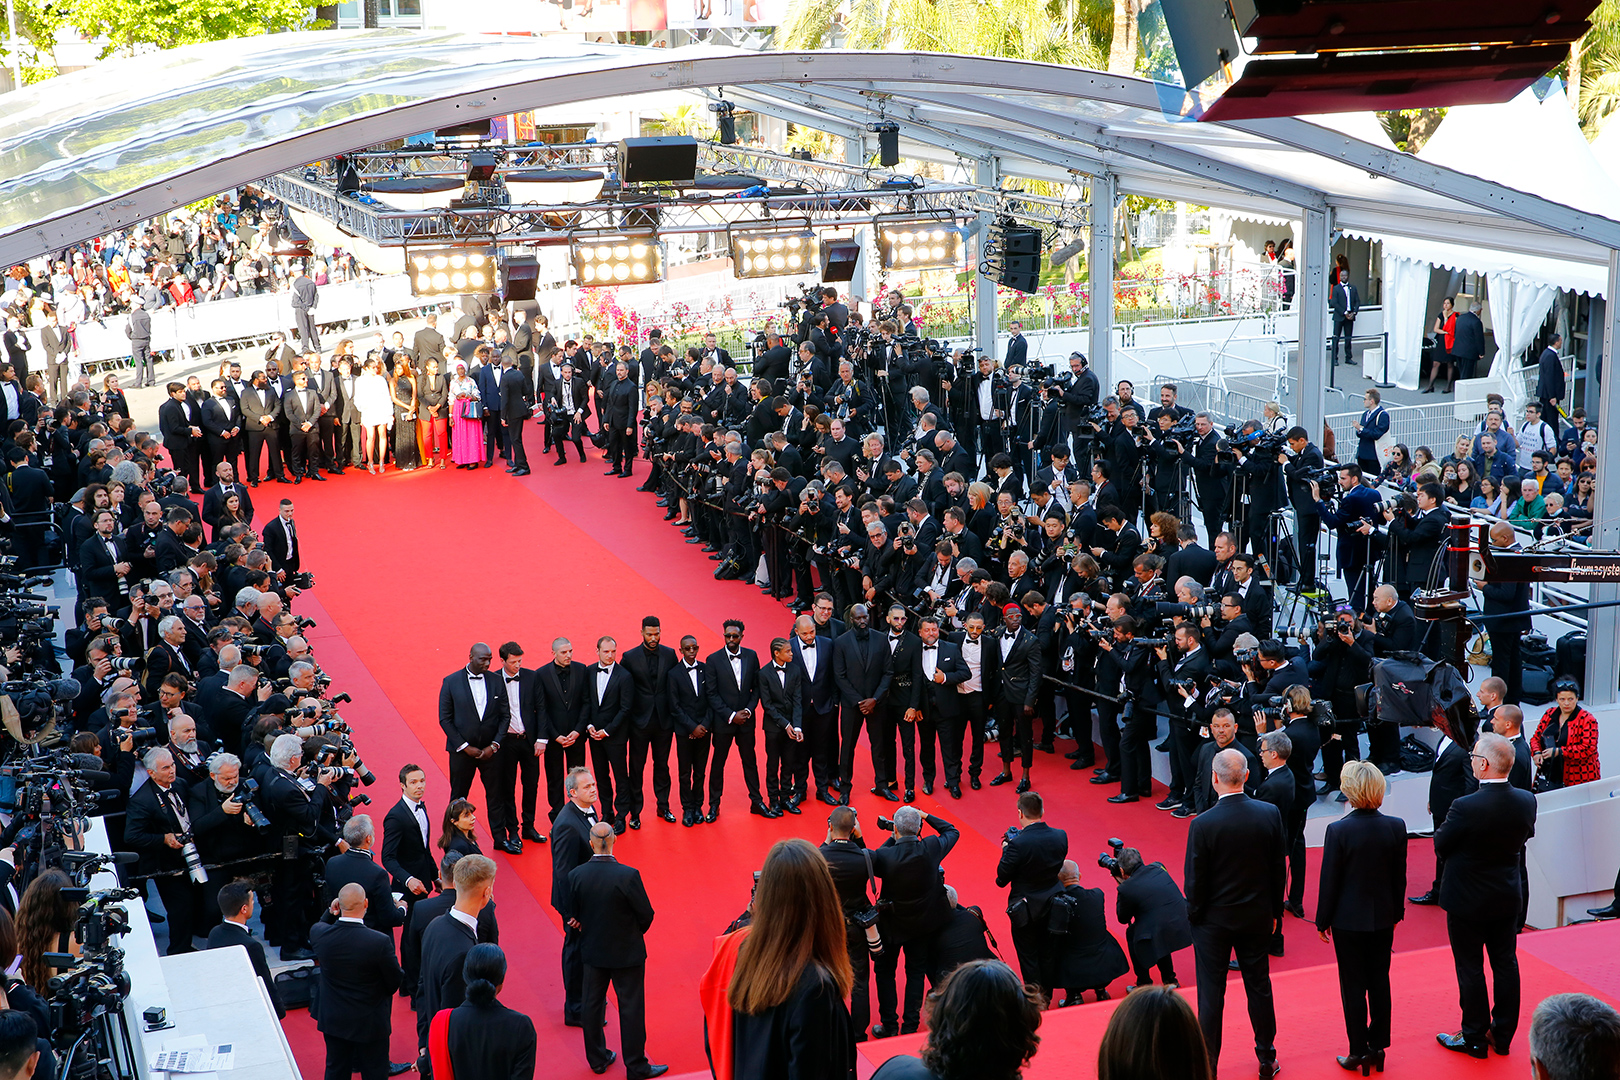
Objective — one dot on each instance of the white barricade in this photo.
(1573, 856)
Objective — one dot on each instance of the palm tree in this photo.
(1070, 32)
(683, 120)
(1594, 68)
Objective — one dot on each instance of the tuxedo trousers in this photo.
(498, 797)
(724, 736)
(610, 760)
(1471, 941)
(255, 442)
(1213, 947)
(630, 987)
(559, 759)
(820, 747)
(519, 762)
(655, 741)
(691, 762)
(345, 1057)
(850, 721)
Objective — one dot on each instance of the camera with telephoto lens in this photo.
(1245, 656)
(246, 793)
(1163, 610)
(1094, 414)
(193, 857)
(1109, 860)
(1272, 707)
(1405, 504)
(124, 663)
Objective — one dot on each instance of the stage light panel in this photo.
(919, 245)
(623, 260)
(757, 253)
(451, 271)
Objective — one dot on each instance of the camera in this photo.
(247, 790)
(301, 581)
(886, 824)
(193, 857)
(1245, 656)
(124, 663)
(1271, 707)
(1109, 860)
(1186, 611)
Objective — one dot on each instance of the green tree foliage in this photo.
(1072, 32)
(130, 25)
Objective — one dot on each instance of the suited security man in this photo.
(426, 913)
(650, 726)
(280, 536)
(1234, 883)
(612, 914)
(733, 687)
(1344, 301)
(813, 656)
(607, 721)
(1482, 841)
(570, 849)
(447, 941)
(358, 976)
(236, 908)
(909, 866)
(213, 503)
(1451, 778)
(521, 748)
(473, 715)
(1030, 861)
(781, 699)
(517, 405)
(861, 665)
(357, 865)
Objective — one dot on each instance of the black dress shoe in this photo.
(911, 795)
(1023, 785)
(520, 472)
(290, 953)
(1430, 897)
(1046, 748)
(618, 827)
(998, 779)
(511, 847)
(688, 818)
(1123, 798)
(955, 790)
(1268, 1069)
(534, 834)
(888, 793)
(713, 815)
(295, 480)
(973, 782)
(880, 1032)
(1610, 912)
(154, 917)
(399, 1068)
(651, 1071)
(602, 1068)
(843, 798)
(634, 822)
(664, 813)
(759, 809)
(790, 807)
(1296, 910)
(1461, 1045)
(827, 797)
(928, 787)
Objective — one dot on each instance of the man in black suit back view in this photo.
(424, 916)
(612, 913)
(571, 848)
(1451, 779)
(356, 866)
(473, 713)
(445, 944)
(1030, 861)
(359, 975)
(517, 405)
(1234, 885)
(1481, 840)
(236, 908)
(1154, 913)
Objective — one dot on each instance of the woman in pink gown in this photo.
(466, 436)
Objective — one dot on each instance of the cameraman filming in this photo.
(915, 910)
(1352, 515)
(1304, 461)
(1341, 661)
(1154, 913)
(1417, 534)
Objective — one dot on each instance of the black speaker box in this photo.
(1020, 240)
(666, 159)
(838, 259)
(521, 273)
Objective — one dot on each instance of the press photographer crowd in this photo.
(984, 560)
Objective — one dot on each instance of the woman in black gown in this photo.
(404, 395)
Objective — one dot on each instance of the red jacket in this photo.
(1580, 745)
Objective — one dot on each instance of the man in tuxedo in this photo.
(302, 408)
(563, 690)
(1212, 474)
(58, 343)
(813, 656)
(447, 941)
(357, 866)
(222, 431)
(213, 503)
(940, 673)
(1482, 841)
(180, 424)
(261, 408)
(909, 866)
(1234, 884)
(570, 849)
(407, 846)
(1451, 778)
(1017, 351)
(521, 749)
(781, 699)
(517, 405)
(473, 714)
(607, 713)
(1344, 301)
(358, 976)
(1031, 858)
(154, 823)
(426, 913)
(651, 729)
(280, 537)
(861, 665)
(898, 712)
(612, 915)
(236, 908)
(1016, 660)
(686, 694)
(733, 687)
(350, 435)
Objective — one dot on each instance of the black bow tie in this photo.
(1009, 634)
(512, 678)
(895, 637)
(929, 648)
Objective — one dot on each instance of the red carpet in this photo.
(413, 568)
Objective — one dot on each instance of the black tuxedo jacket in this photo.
(213, 504)
(1363, 884)
(145, 823)
(861, 669)
(613, 910)
(528, 703)
(282, 548)
(941, 700)
(1191, 561)
(613, 711)
(570, 849)
(404, 854)
(357, 867)
(446, 941)
(905, 670)
(687, 709)
(1030, 862)
(913, 882)
(1236, 866)
(1482, 840)
(563, 698)
(1278, 790)
(726, 695)
(1451, 779)
(96, 576)
(424, 915)
(359, 974)
(491, 1042)
(648, 670)
(459, 717)
(228, 934)
(820, 690)
(782, 695)
(1155, 911)
(1018, 676)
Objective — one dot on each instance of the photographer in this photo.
(1304, 462)
(852, 869)
(1166, 465)
(1394, 625)
(1418, 528)
(1154, 913)
(1138, 723)
(1304, 736)
(914, 908)
(1031, 857)
(157, 827)
(1355, 508)
(226, 836)
(1212, 473)
(1180, 681)
(1340, 662)
(297, 806)
(1086, 956)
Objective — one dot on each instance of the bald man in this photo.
(1482, 841)
(359, 975)
(611, 905)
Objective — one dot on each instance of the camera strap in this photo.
(871, 877)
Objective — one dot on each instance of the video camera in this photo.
(808, 300)
(1253, 439)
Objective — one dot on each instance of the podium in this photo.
(1573, 856)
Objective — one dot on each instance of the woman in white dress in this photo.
(376, 413)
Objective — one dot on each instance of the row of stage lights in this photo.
(756, 252)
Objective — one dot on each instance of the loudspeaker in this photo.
(480, 167)
(1203, 37)
(473, 129)
(1020, 240)
(658, 160)
(838, 259)
(519, 276)
(1018, 249)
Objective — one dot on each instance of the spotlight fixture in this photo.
(451, 271)
(758, 252)
(918, 243)
(888, 133)
(726, 120)
(628, 259)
